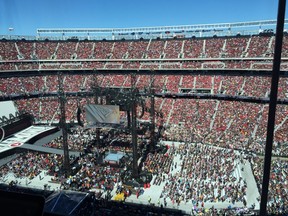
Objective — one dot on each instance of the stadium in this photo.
(165, 120)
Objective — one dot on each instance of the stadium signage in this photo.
(16, 144)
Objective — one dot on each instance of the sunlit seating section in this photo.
(284, 52)
(31, 106)
(65, 50)
(73, 83)
(84, 50)
(257, 86)
(193, 48)
(173, 84)
(120, 50)
(26, 50)
(203, 82)
(102, 50)
(214, 47)
(131, 65)
(236, 47)
(258, 46)
(193, 65)
(277, 200)
(156, 49)
(45, 50)
(8, 51)
(241, 64)
(137, 49)
(232, 85)
(173, 49)
(188, 81)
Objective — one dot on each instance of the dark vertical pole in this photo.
(128, 119)
(97, 94)
(272, 105)
(134, 127)
(63, 124)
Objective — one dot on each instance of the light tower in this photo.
(135, 172)
(63, 125)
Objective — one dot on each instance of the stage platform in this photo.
(114, 158)
(25, 136)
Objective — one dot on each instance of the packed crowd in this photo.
(135, 209)
(189, 173)
(278, 184)
(92, 176)
(166, 50)
(201, 174)
(234, 125)
(230, 85)
(92, 171)
(31, 164)
(223, 123)
(78, 140)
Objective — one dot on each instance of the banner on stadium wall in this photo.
(102, 114)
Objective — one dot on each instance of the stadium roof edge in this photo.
(265, 27)
(158, 28)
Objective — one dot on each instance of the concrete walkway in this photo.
(37, 182)
(252, 189)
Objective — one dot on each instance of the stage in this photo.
(28, 135)
(114, 158)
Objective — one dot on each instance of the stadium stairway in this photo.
(252, 189)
